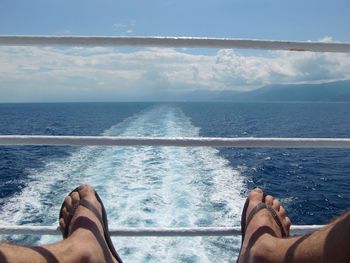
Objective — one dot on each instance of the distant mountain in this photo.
(196, 96)
(338, 91)
(207, 95)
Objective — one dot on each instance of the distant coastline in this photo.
(338, 91)
(335, 92)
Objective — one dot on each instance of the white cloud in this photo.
(326, 39)
(39, 74)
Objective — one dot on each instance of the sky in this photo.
(29, 74)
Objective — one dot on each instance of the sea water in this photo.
(172, 186)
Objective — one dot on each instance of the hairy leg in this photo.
(85, 241)
(263, 241)
(64, 251)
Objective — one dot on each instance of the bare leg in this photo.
(85, 242)
(263, 242)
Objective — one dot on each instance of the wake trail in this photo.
(144, 187)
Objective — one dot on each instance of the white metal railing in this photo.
(192, 42)
(245, 142)
(242, 142)
(149, 231)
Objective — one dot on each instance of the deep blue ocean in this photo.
(169, 186)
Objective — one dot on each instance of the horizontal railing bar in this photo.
(160, 41)
(151, 232)
(239, 142)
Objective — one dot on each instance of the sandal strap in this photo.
(261, 206)
(86, 204)
(102, 218)
(92, 208)
(278, 221)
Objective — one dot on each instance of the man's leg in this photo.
(263, 242)
(85, 241)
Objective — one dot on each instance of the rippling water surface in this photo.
(169, 186)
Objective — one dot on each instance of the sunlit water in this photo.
(169, 186)
(143, 187)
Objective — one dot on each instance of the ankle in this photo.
(86, 255)
(85, 251)
(263, 249)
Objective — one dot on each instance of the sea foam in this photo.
(143, 187)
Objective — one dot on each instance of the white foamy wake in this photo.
(144, 187)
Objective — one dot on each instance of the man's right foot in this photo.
(262, 226)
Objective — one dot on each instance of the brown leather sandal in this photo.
(245, 221)
(102, 219)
